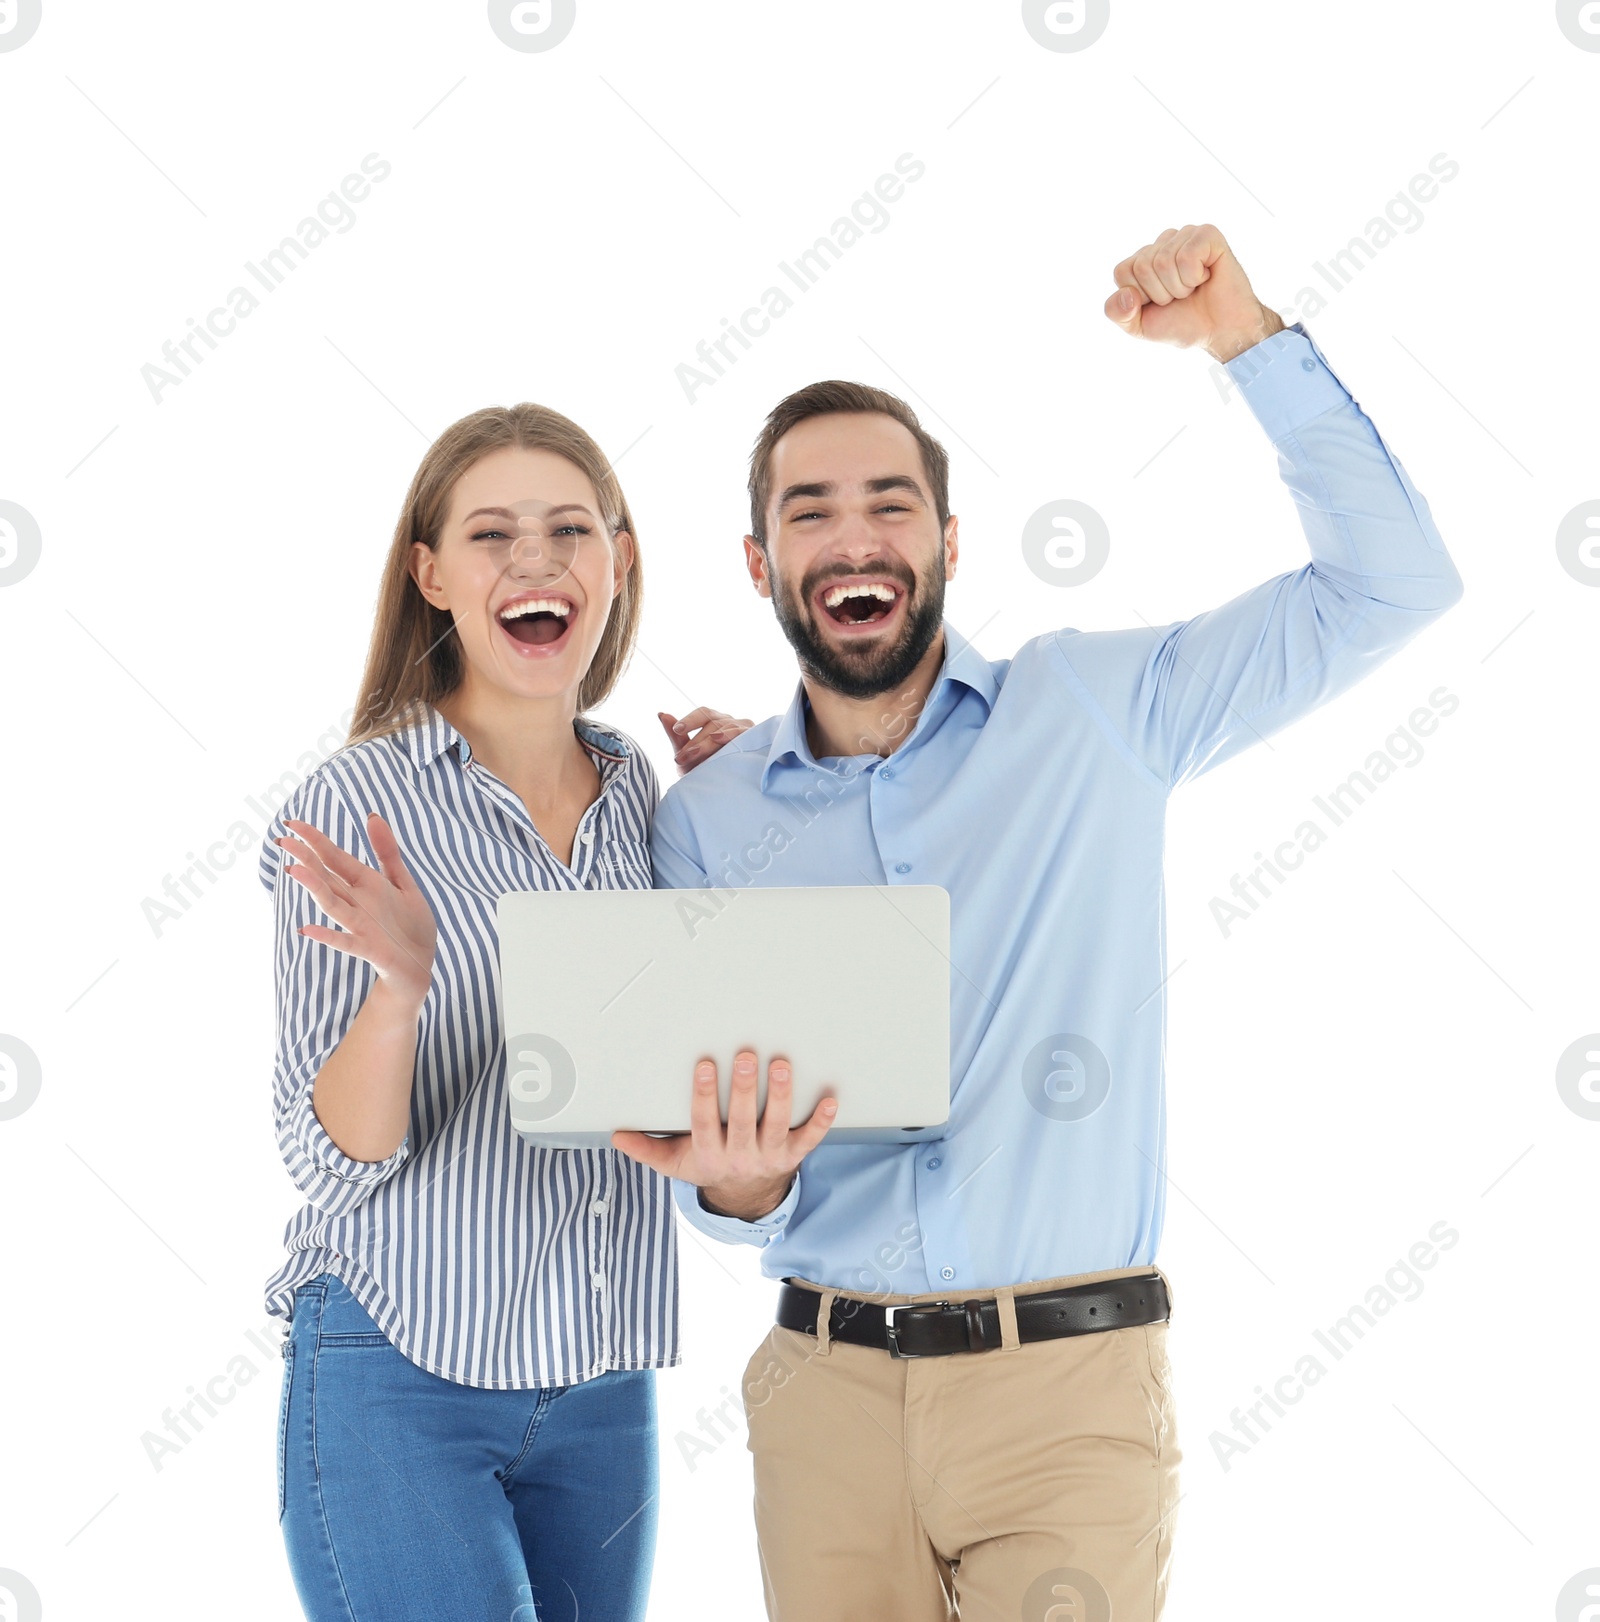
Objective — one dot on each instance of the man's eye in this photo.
(796, 517)
(894, 507)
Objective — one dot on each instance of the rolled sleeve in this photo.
(735, 1230)
(320, 991)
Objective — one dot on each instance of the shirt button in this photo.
(947, 1272)
(935, 1163)
(600, 1207)
(1308, 365)
(902, 867)
(586, 835)
(886, 772)
(599, 1280)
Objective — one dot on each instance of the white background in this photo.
(1372, 1052)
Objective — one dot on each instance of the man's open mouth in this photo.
(857, 604)
(537, 620)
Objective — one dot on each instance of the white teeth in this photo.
(838, 594)
(536, 605)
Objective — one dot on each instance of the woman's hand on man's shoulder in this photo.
(697, 736)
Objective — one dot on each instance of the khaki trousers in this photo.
(1030, 1483)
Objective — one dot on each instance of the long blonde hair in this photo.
(414, 657)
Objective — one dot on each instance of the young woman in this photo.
(468, 1416)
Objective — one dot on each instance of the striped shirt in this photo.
(482, 1258)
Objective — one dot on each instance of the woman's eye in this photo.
(490, 534)
(573, 529)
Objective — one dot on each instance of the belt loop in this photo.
(824, 1322)
(1005, 1300)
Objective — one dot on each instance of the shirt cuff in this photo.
(1286, 382)
(735, 1230)
(327, 1158)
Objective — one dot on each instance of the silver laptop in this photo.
(608, 998)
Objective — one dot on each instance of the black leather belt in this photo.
(937, 1328)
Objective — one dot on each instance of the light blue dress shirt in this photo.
(1034, 790)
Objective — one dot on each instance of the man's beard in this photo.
(866, 673)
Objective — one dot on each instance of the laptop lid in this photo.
(610, 997)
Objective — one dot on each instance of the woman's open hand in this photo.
(383, 917)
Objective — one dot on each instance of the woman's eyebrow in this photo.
(506, 512)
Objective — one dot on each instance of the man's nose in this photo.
(855, 537)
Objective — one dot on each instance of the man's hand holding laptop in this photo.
(743, 1169)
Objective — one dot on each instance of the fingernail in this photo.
(678, 726)
(705, 1070)
(745, 1062)
(828, 1106)
(780, 1071)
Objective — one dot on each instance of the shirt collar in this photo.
(962, 663)
(430, 734)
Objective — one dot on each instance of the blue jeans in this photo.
(406, 1497)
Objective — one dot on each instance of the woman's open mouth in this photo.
(537, 623)
(862, 605)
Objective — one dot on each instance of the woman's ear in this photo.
(424, 568)
(622, 559)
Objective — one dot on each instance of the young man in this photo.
(1012, 1445)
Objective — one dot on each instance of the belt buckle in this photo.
(892, 1331)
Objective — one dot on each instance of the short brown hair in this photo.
(414, 657)
(826, 399)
